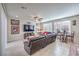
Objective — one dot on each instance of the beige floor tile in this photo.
(56, 48)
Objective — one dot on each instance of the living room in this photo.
(33, 29)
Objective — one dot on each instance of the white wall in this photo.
(14, 37)
(0, 32)
(75, 28)
(3, 25)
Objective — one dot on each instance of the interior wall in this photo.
(0, 31)
(15, 37)
(75, 28)
(3, 31)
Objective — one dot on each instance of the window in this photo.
(62, 26)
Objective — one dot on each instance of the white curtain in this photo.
(62, 25)
(47, 27)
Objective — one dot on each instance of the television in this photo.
(28, 28)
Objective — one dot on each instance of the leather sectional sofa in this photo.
(37, 43)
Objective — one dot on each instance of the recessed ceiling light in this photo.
(23, 7)
(16, 16)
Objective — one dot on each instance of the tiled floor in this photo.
(74, 49)
(15, 49)
(57, 48)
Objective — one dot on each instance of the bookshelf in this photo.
(39, 25)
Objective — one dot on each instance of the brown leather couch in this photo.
(38, 43)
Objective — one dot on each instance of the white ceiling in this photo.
(49, 11)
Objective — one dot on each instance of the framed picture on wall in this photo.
(15, 22)
(15, 29)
